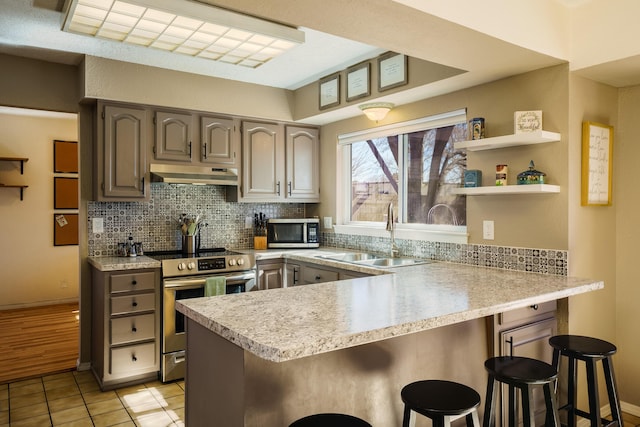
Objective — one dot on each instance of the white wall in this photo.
(34, 271)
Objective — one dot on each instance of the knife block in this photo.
(260, 242)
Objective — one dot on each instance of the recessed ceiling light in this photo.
(183, 27)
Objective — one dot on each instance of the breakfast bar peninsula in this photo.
(267, 358)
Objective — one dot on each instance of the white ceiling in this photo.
(499, 39)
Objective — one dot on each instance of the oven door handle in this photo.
(200, 281)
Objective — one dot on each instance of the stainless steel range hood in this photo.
(196, 175)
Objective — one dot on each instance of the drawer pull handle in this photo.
(134, 329)
(134, 358)
(135, 304)
(535, 306)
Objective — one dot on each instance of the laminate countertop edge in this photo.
(290, 323)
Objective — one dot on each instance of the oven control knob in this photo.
(232, 262)
(240, 261)
(191, 265)
(181, 266)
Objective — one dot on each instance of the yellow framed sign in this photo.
(597, 164)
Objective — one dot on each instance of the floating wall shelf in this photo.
(508, 141)
(22, 160)
(508, 189)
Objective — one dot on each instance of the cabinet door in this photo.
(219, 141)
(270, 276)
(262, 158)
(291, 275)
(173, 136)
(303, 164)
(532, 341)
(124, 162)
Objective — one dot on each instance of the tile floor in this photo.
(74, 399)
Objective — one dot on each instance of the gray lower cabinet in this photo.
(125, 327)
(121, 155)
(270, 274)
(525, 332)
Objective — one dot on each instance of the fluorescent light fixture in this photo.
(184, 27)
(376, 111)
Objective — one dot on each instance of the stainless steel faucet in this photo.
(391, 227)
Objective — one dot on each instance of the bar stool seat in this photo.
(589, 350)
(330, 420)
(441, 401)
(520, 373)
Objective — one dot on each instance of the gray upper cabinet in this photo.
(173, 136)
(121, 155)
(279, 164)
(219, 142)
(262, 161)
(303, 163)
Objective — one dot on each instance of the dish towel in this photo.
(215, 286)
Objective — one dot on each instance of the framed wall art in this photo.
(358, 82)
(65, 156)
(329, 91)
(392, 71)
(597, 164)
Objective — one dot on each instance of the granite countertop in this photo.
(114, 263)
(290, 323)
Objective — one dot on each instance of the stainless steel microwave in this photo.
(293, 233)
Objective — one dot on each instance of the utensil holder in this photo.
(190, 244)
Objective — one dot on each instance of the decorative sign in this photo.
(527, 121)
(597, 163)
(330, 91)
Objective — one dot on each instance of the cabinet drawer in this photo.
(318, 275)
(133, 282)
(133, 328)
(133, 303)
(527, 313)
(133, 358)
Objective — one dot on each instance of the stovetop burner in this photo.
(203, 253)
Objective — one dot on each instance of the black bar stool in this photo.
(330, 420)
(441, 401)
(590, 350)
(521, 373)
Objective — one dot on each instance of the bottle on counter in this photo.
(131, 247)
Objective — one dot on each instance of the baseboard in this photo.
(605, 412)
(83, 366)
(39, 304)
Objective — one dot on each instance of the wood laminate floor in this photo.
(38, 341)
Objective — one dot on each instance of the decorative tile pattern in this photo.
(545, 261)
(155, 223)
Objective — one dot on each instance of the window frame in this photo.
(425, 232)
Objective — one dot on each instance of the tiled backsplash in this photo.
(155, 223)
(546, 261)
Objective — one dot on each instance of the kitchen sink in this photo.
(373, 260)
(393, 262)
(351, 257)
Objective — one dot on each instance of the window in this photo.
(413, 166)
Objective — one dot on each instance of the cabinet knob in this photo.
(134, 329)
(134, 304)
(317, 277)
(134, 358)
(134, 282)
(534, 306)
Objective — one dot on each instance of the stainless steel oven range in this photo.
(184, 276)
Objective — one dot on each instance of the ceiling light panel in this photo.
(183, 27)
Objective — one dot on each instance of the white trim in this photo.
(436, 121)
(446, 235)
